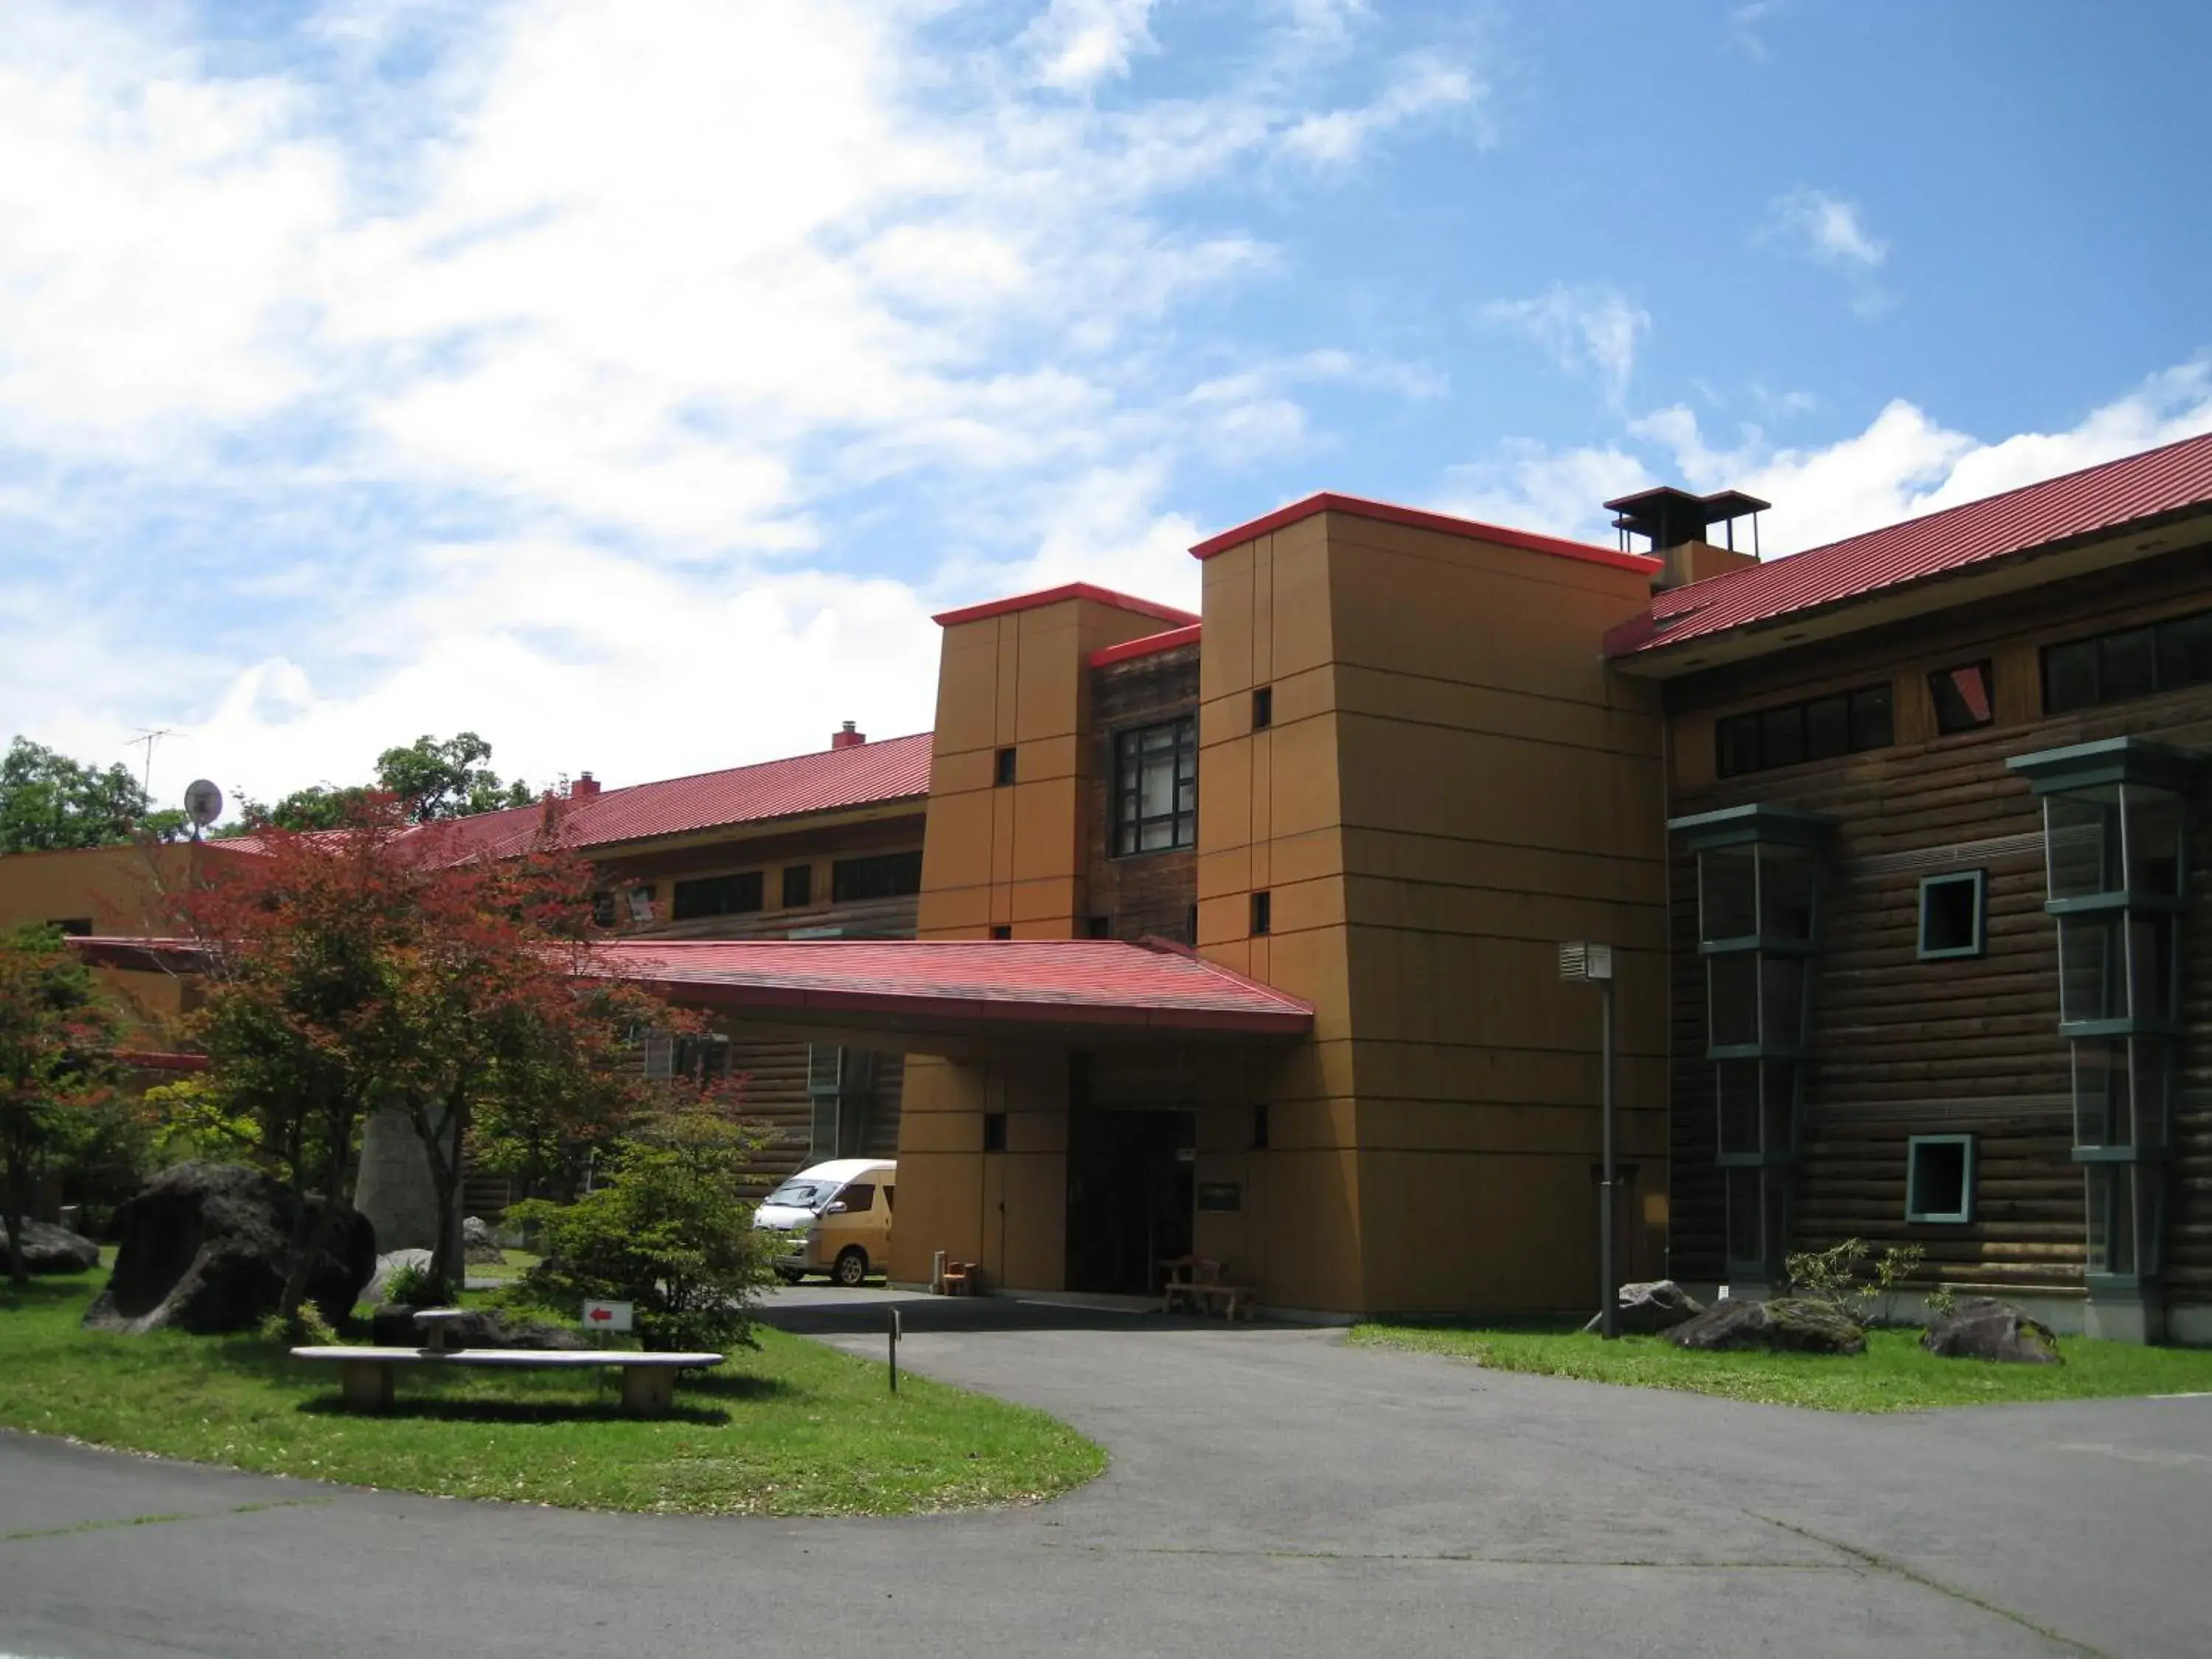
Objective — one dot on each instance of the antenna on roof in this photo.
(203, 805)
(149, 736)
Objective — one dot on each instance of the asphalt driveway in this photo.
(1272, 1491)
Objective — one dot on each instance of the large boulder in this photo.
(1658, 1304)
(1787, 1324)
(51, 1250)
(477, 1244)
(393, 1326)
(204, 1248)
(378, 1288)
(1985, 1329)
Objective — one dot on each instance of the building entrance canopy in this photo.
(953, 996)
(931, 996)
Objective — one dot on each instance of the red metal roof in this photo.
(1144, 646)
(863, 775)
(1102, 984)
(1388, 513)
(2158, 481)
(1095, 982)
(1055, 596)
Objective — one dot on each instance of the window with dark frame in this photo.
(1000, 930)
(1953, 915)
(1819, 728)
(704, 1060)
(1964, 698)
(1263, 914)
(2138, 661)
(1156, 787)
(1098, 926)
(1003, 773)
(717, 896)
(603, 909)
(73, 926)
(1939, 1179)
(859, 1197)
(994, 1131)
(1260, 1128)
(640, 902)
(1263, 707)
(877, 875)
(797, 886)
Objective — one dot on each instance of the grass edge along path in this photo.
(1894, 1374)
(794, 1428)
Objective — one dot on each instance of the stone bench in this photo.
(367, 1376)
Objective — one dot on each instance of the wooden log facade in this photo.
(1904, 1047)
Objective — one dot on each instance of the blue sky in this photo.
(629, 384)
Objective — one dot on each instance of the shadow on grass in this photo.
(444, 1408)
(44, 1290)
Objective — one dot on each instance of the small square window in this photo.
(797, 886)
(1098, 926)
(1263, 708)
(1000, 930)
(1005, 773)
(1952, 914)
(1263, 914)
(1963, 700)
(641, 902)
(1260, 1128)
(994, 1131)
(1939, 1178)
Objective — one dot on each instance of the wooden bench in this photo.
(367, 1376)
(1197, 1281)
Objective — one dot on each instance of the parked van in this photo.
(835, 1219)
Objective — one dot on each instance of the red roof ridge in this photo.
(606, 790)
(1065, 592)
(2090, 500)
(1147, 646)
(1419, 518)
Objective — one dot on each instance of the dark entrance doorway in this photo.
(1129, 1196)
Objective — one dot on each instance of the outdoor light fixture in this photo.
(1585, 961)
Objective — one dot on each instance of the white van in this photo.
(835, 1219)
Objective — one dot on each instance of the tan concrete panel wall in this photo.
(1477, 1232)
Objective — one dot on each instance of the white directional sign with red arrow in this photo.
(609, 1316)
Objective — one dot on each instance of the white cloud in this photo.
(1419, 85)
(1904, 464)
(538, 380)
(1826, 228)
(1080, 43)
(1595, 328)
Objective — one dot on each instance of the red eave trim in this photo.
(984, 1012)
(151, 1059)
(1166, 613)
(1414, 517)
(1144, 646)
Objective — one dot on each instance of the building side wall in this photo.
(1904, 1047)
(1500, 793)
(1268, 818)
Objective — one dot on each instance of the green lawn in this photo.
(1894, 1374)
(795, 1428)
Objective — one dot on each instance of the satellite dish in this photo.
(203, 805)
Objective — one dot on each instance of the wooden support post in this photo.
(648, 1388)
(366, 1385)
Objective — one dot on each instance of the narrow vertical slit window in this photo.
(1003, 772)
(1263, 914)
(1263, 707)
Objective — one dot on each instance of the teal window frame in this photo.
(1979, 881)
(1916, 1208)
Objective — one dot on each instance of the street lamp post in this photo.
(1583, 961)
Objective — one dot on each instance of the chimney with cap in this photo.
(1677, 523)
(584, 787)
(847, 738)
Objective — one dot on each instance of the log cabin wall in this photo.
(1141, 893)
(775, 1069)
(1904, 1047)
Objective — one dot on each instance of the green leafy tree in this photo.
(669, 1228)
(56, 1068)
(448, 780)
(319, 806)
(49, 802)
